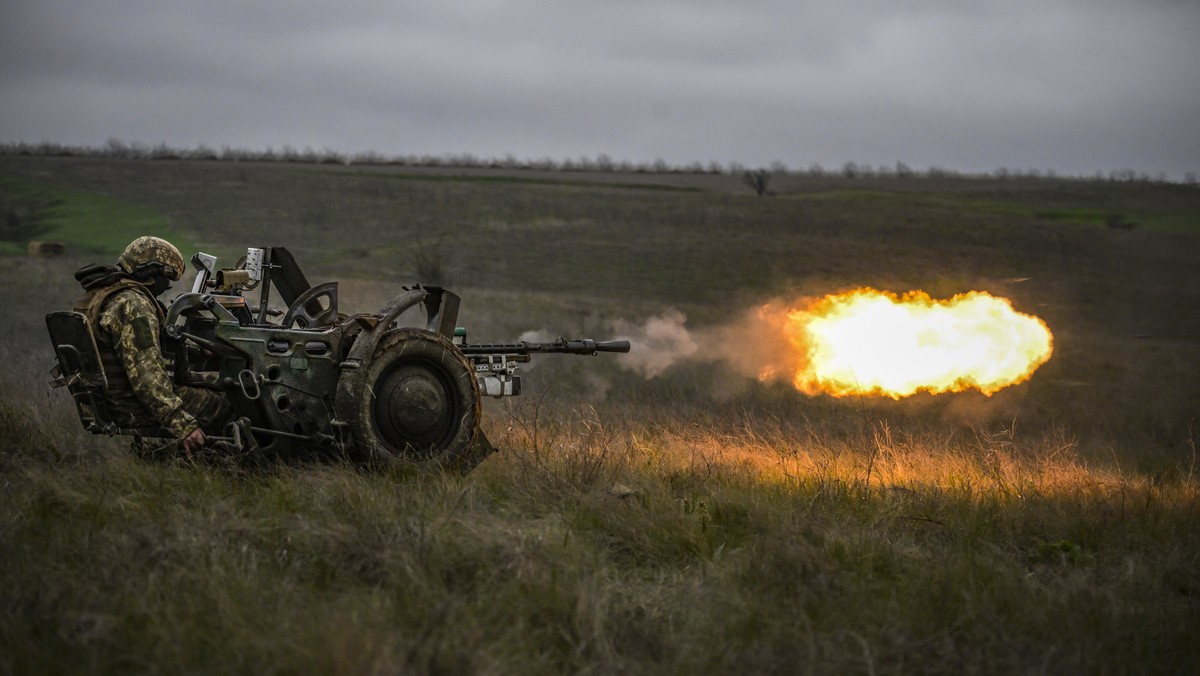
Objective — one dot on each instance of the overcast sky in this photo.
(1073, 86)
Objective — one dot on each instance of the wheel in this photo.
(420, 401)
(308, 311)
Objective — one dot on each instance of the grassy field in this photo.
(692, 522)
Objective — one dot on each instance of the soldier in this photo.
(121, 303)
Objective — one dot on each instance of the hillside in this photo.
(692, 521)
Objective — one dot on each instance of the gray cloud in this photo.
(1069, 85)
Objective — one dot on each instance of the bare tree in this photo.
(757, 180)
(429, 261)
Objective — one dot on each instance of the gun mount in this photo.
(311, 379)
(496, 363)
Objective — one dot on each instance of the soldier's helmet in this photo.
(146, 255)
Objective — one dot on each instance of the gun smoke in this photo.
(658, 344)
(749, 347)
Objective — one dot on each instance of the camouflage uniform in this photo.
(126, 318)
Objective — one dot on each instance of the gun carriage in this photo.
(312, 380)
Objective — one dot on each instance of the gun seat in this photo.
(81, 372)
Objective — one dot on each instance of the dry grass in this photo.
(593, 545)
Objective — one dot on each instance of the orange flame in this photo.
(878, 343)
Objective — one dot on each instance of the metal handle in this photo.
(254, 380)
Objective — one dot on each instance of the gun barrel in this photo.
(612, 346)
(561, 346)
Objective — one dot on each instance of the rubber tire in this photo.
(413, 368)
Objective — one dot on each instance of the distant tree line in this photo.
(758, 179)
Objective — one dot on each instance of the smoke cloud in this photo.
(658, 344)
(751, 346)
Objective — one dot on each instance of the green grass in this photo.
(85, 221)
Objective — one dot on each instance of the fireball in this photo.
(870, 342)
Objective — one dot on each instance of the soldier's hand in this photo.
(193, 442)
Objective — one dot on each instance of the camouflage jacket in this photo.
(127, 320)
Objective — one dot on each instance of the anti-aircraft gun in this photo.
(312, 380)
